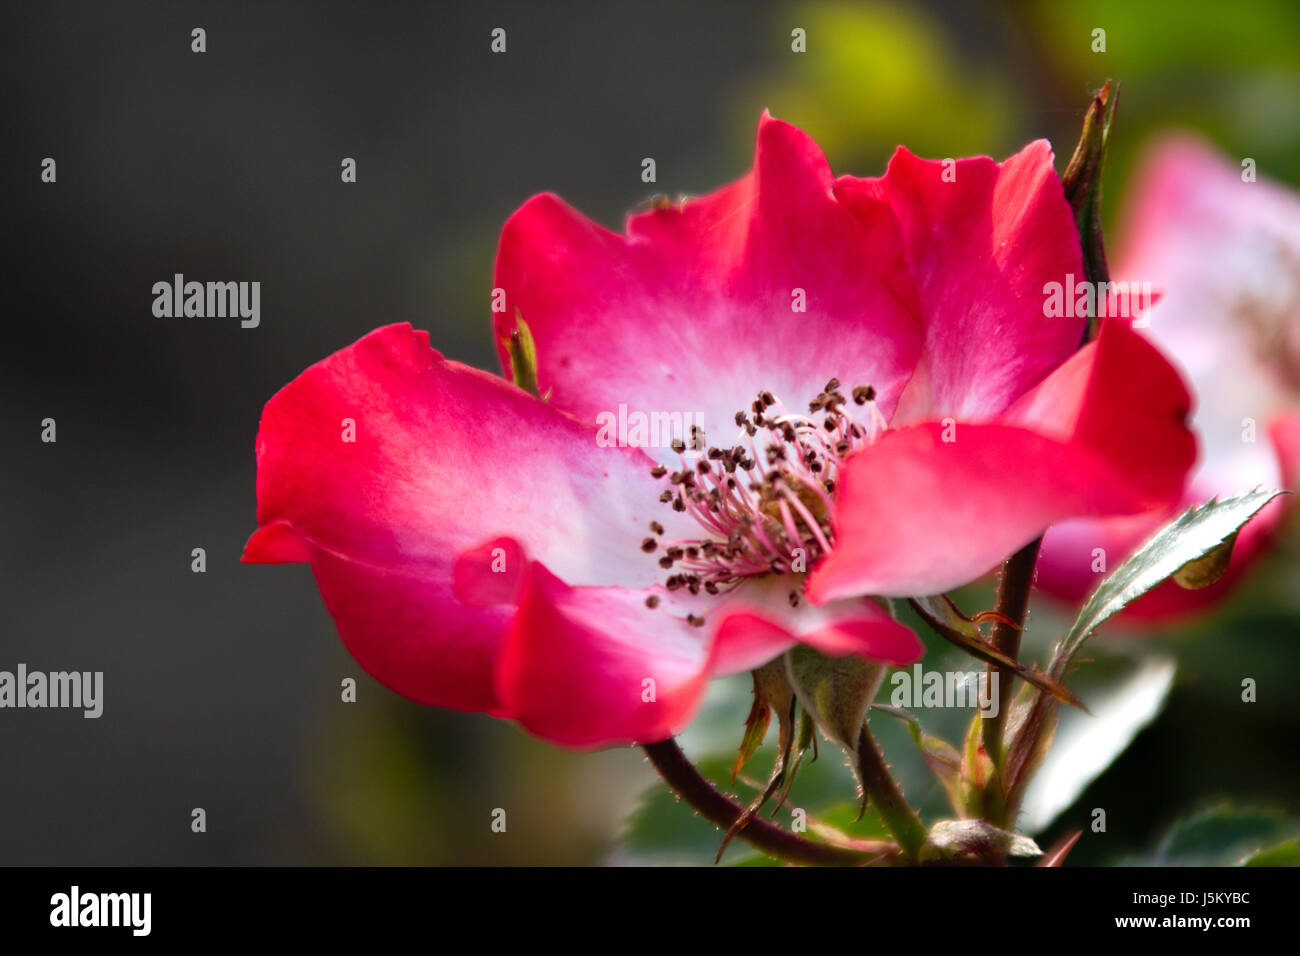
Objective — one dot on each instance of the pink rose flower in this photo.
(880, 408)
(1223, 255)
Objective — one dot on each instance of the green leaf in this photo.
(1284, 854)
(1228, 836)
(1200, 531)
(1196, 533)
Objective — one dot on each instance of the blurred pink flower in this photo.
(1224, 257)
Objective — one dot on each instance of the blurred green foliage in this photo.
(880, 74)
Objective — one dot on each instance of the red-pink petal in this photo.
(691, 310)
(918, 514)
(1077, 555)
(580, 665)
(406, 628)
(980, 248)
(859, 627)
(445, 459)
(1119, 398)
(592, 667)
